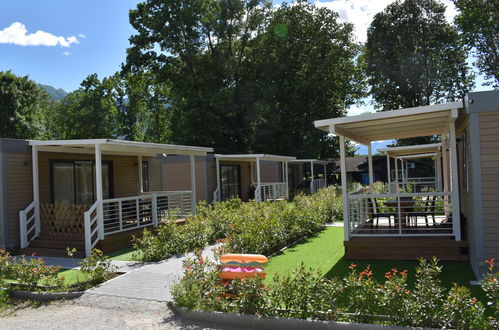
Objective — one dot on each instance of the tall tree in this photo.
(414, 57)
(479, 22)
(23, 107)
(89, 112)
(306, 70)
(199, 48)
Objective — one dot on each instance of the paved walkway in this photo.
(147, 281)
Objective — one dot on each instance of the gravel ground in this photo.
(99, 312)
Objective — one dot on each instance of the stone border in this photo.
(44, 296)
(255, 322)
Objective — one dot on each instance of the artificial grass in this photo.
(325, 251)
(70, 276)
(129, 254)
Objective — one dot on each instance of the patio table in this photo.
(406, 205)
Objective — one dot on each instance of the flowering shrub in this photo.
(358, 297)
(4, 269)
(490, 285)
(97, 266)
(250, 227)
(32, 272)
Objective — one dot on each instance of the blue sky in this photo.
(79, 38)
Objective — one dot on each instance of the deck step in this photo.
(45, 252)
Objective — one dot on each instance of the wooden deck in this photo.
(405, 248)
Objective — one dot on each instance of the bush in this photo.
(250, 227)
(29, 273)
(356, 298)
(97, 266)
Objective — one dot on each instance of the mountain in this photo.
(55, 94)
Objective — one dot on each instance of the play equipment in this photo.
(242, 266)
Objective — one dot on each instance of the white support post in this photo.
(193, 184)
(252, 168)
(219, 194)
(370, 162)
(312, 177)
(257, 191)
(36, 189)
(344, 189)
(141, 183)
(456, 220)
(439, 170)
(287, 179)
(388, 172)
(325, 175)
(397, 187)
(98, 190)
(154, 211)
(445, 164)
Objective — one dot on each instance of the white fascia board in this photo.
(414, 148)
(427, 155)
(247, 157)
(324, 124)
(316, 161)
(66, 142)
(158, 146)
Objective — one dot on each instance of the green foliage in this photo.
(478, 20)
(244, 227)
(97, 267)
(414, 57)
(240, 73)
(490, 285)
(32, 272)
(358, 297)
(23, 107)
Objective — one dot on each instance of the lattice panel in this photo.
(65, 220)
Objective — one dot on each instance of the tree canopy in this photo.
(414, 57)
(23, 107)
(479, 22)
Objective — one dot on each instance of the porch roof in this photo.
(416, 151)
(254, 157)
(315, 161)
(395, 124)
(117, 147)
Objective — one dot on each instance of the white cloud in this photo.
(17, 34)
(355, 110)
(361, 12)
(82, 36)
(66, 53)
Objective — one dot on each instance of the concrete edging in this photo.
(255, 322)
(44, 296)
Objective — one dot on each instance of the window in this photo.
(465, 162)
(145, 176)
(230, 181)
(73, 182)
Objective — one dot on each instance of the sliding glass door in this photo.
(230, 181)
(73, 182)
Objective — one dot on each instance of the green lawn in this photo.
(71, 276)
(325, 251)
(129, 254)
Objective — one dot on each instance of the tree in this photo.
(306, 70)
(414, 57)
(198, 49)
(23, 107)
(89, 112)
(478, 20)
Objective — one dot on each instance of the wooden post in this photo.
(388, 172)
(36, 188)
(98, 190)
(139, 165)
(456, 225)
(193, 184)
(370, 162)
(344, 189)
(258, 196)
(312, 188)
(397, 187)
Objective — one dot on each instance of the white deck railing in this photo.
(316, 184)
(415, 185)
(271, 191)
(118, 215)
(404, 214)
(29, 224)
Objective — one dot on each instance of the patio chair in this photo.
(376, 214)
(428, 210)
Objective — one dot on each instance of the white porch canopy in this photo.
(402, 154)
(264, 190)
(98, 147)
(315, 183)
(396, 124)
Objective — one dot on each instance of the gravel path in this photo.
(99, 312)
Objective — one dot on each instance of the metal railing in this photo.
(118, 215)
(316, 184)
(404, 214)
(29, 224)
(271, 191)
(415, 185)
